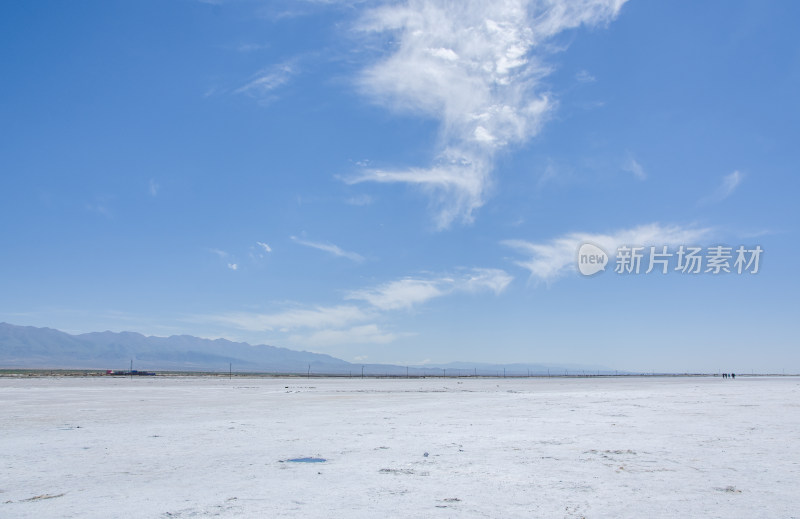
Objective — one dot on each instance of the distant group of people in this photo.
(731, 375)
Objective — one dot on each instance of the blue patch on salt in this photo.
(307, 460)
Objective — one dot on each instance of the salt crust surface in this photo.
(212, 447)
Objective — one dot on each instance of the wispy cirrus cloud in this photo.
(550, 260)
(403, 293)
(632, 166)
(483, 279)
(585, 77)
(364, 334)
(476, 67)
(330, 248)
(264, 84)
(359, 320)
(315, 317)
(726, 188)
(408, 292)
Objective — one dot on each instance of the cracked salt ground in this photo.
(656, 448)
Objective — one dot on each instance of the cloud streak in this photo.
(477, 68)
(330, 248)
(584, 76)
(364, 334)
(633, 166)
(317, 317)
(357, 323)
(548, 261)
(263, 85)
(727, 187)
(403, 293)
(408, 292)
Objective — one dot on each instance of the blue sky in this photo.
(404, 182)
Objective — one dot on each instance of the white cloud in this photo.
(729, 184)
(331, 248)
(551, 174)
(228, 260)
(495, 280)
(726, 189)
(364, 334)
(477, 68)
(350, 323)
(264, 246)
(585, 77)
(553, 259)
(632, 166)
(268, 80)
(407, 292)
(403, 293)
(318, 317)
(153, 187)
(457, 185)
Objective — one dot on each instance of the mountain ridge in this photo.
(29, 346)
(48, 348)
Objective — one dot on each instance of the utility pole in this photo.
(230, 371)
(131, 370)
(362, 371)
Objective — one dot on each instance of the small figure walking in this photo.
(733, 375)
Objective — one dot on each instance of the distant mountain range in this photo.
(31, 347)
